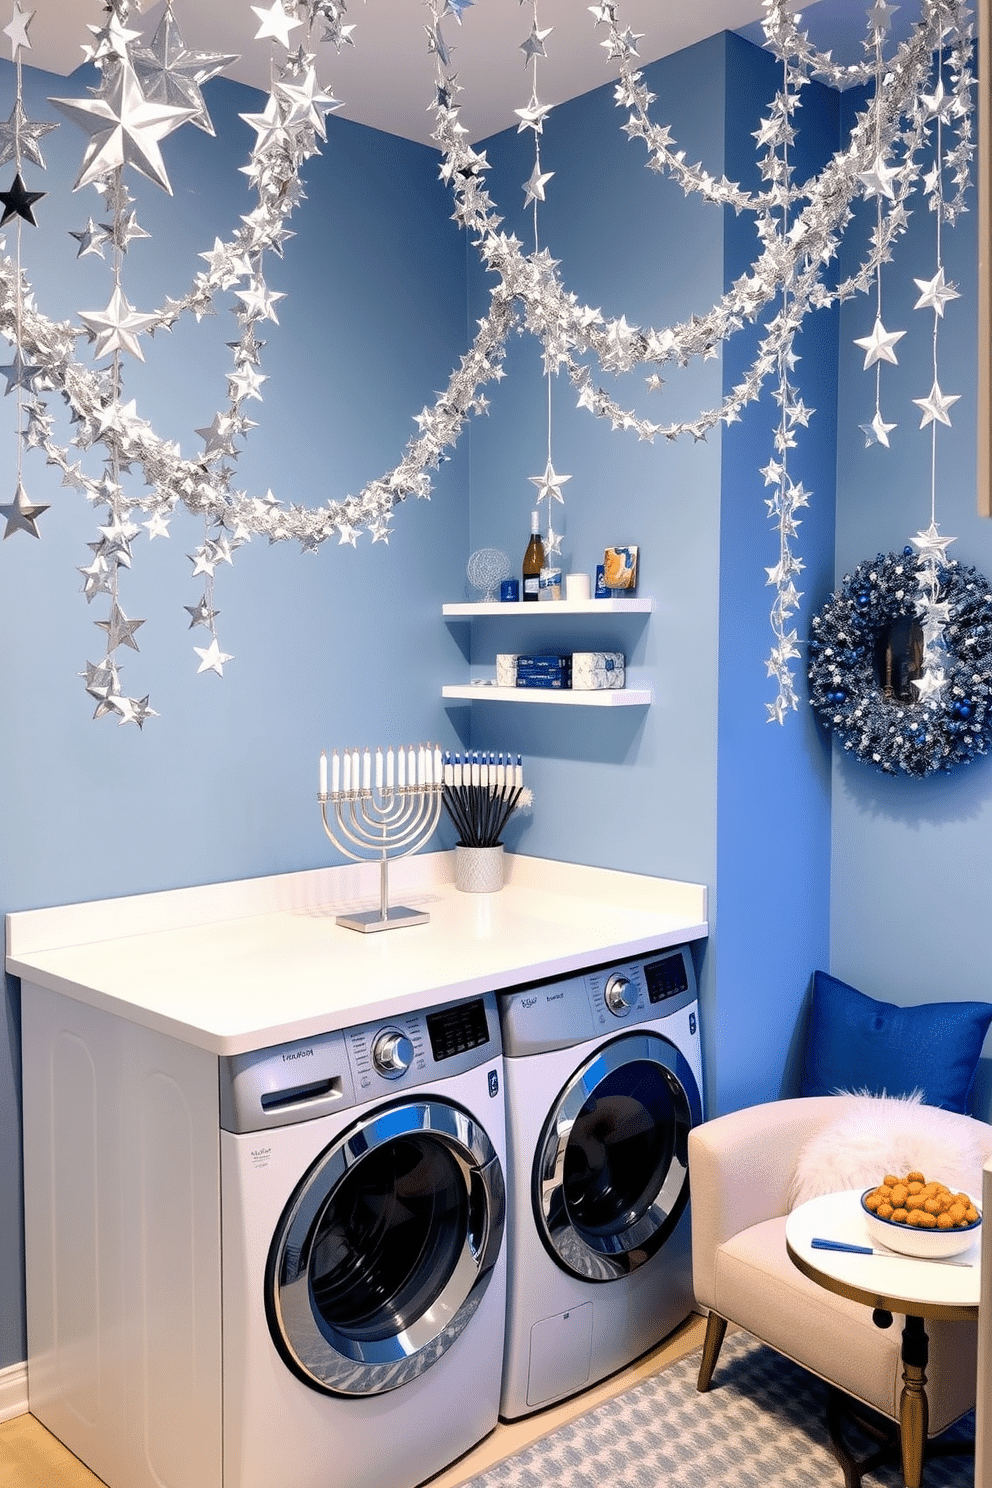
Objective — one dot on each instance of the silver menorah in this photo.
(387, 819)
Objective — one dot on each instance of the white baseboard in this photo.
(13, 1391)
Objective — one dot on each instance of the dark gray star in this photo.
(18, 201)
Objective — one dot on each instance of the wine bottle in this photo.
(533, 562)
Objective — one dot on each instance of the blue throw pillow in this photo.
(856, 1043)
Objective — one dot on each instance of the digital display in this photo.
(666, 978)
(453, 1030)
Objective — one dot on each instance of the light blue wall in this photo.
(911, 859)
(341, 647)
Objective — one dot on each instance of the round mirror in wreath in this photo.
(866, 666)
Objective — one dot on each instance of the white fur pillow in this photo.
(888, 1134)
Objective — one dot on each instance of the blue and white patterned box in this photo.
(595, 670)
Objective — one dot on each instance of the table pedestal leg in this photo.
(913, 1408)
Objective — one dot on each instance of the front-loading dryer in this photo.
(363, 1285)
(603, 1081)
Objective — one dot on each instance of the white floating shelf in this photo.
(542, 611)
(621, 697)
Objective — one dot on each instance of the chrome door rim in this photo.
(607, 1257)
(329, 1359)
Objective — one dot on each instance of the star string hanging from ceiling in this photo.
(125, 124)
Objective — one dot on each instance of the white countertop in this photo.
(234, 967)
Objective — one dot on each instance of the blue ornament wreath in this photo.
(852, 693)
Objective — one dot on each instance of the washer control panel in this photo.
(300, 1081)
(558, 1012)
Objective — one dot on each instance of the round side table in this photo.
(887, 1283)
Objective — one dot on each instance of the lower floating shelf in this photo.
(621, 697)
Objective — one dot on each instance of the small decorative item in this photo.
(393, 818)
(481, 793)
(550, 584)
(486, 569)
(506, 669)
(601, 590)
(865, 651)
(592, 671)
(620, 568)
(509, 591)
(577, 586)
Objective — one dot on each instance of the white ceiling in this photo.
(386, 79)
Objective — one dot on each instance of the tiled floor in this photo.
(32, 1458)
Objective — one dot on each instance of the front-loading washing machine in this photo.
(603, 1081)
(363, 1286)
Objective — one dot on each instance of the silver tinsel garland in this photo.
(146, 91)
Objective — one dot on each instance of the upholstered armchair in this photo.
(743, 1168)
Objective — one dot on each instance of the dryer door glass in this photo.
(611, 1176)
(386, 1248)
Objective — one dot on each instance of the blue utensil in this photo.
(818, 1243)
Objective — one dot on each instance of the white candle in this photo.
(401, 768)
(390, 768)
(428, 766)
(421, 766)
(366, 771)
(355, 768)
(449, 770)
(378, 769)
(500, 774)
(475, 769)
(335, 773)
(323, 772)
(520, 772)
(346, 778)
(411, 767)
(437, 764)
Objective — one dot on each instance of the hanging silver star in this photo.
(201, 613)
(20, 373)
(549, 484)
(212, 658)
(534, 45)
(878, 179)
(534, 188)
(275, 22)
(123, 128)
(169, 72)
(934, 293)
(930, 545)
(935, 406)
(120, 630)
(877, 432)
(878, 347)
(18, 29)
(21, 514)
(117, 327)
(92, 239)
(19, 136)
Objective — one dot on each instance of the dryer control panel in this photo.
(300, 1081)
(558, 1012)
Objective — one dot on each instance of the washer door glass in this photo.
(386, 1248)
(611, 1175)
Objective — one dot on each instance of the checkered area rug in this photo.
(762, 1425)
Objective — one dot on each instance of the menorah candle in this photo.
(323, 772)
(378, 769)
(346, 772)
(519, 773)
(335, 772)
(390, 768)
(476, 772)
(366, 771)
(401, 768)
(428, 765)
(411, 767)
(354, 769)
(421, 766)
(437, 764)
(449, 769)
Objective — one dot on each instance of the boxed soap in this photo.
(594, 670)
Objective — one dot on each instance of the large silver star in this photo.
(534, 45)
(19, 136)
(930, 544)
(18, 29)
(170, 73)
(117, 327)
(534, 188)
(123, 128)
(935, 406)
(120, 630)
(21, 514)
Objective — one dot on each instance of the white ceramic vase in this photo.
(479, 870)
